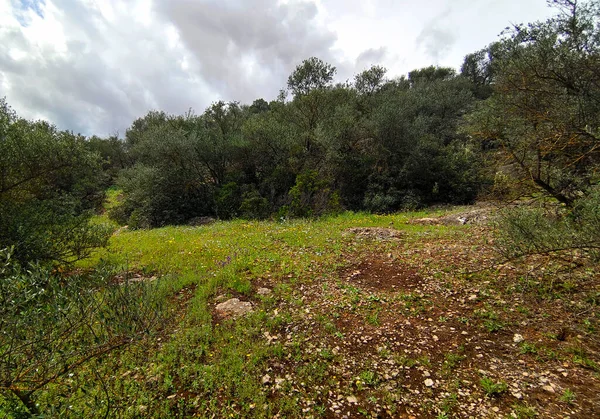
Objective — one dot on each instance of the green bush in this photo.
(52, 325)
(527, 231)
(254, 206)
(50, 186)
(312, 197)
(156, 197)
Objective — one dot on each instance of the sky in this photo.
(94, 66)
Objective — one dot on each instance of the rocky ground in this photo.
(429, 326)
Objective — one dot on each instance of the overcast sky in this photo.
(93, 66)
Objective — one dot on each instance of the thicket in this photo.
(373, 144)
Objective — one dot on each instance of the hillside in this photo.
(355, 315)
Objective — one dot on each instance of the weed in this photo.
(493, 326)
(523, 411)
(492, 388)
(491, 323)
(405, 361)
(373, 317)
(528, 348)
(368, 378)
(589, 327)
(326, 354)
(568, 396)
(449, 402)
(581, 358)
(451, 361)
(424, 361)
(330, 328)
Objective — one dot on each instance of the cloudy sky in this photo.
(93, 66)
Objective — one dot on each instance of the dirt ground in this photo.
(439, 327)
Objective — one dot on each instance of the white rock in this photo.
(352, 399)
(517, 338)
(429, 382)
(234, 307)
(266, 379)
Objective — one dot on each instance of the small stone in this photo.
(549, 389)
(264, 291)
(172, 396)
(352, 399)
(429, 382)
(266, 379)
(472, 297)
(517, 338)
(517, 395)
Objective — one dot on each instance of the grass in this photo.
(287, 359)
(217, 368)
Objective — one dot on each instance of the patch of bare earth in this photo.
(411, 329)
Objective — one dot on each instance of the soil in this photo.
(417, 330)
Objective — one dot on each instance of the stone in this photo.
(266, 379)
(234, 307)
(352, 399)
(517, 338)
(429, 382)
(264, 291)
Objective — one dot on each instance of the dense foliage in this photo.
(544, 113)
(376, 144)
(50, 185)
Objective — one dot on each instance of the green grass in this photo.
(216, 368)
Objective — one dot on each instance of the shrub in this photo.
(312, 197)
(52, 325)
(50, 185)
(527, 231)
(254, 206)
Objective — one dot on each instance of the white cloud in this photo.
(95, 65)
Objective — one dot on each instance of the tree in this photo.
(50, 184)
(545, 111)
(479, 68)
(312, 74)
(371, 80)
